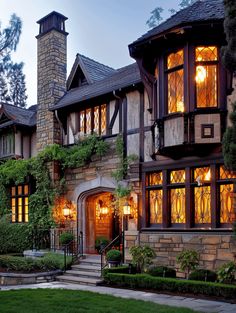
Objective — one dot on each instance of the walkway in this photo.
(195, 304)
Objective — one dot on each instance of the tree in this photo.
(156, 14)
(17, 85)
(12, 79)
(229, 60)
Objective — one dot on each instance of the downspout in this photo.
(60, 125)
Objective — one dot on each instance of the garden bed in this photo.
(172, 286)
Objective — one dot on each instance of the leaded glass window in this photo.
(226, 203)
(226, 174)
(93, 120)
(177, 197)
(177, 176)
(175, 82)
(202, 204)
(20, 203)
(206, 58)
(155, 178)
(155, 200)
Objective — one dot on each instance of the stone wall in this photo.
(214, 249)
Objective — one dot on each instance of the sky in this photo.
(99, 29)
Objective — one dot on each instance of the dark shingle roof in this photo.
(200, 11)
(92, 70)
(121, 78)
(19, 115)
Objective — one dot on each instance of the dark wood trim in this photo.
(161, 88)
(188, 199)
(214, 214)
(203, 129)
(141, 119)
(186, 78)
(107, 118)
(125, 112)
(144, 216)
(114, 116)
(120, 115)
(165, 206)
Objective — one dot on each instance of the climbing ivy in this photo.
(15, 172)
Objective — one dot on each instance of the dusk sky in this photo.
(99, 29)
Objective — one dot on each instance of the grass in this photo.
(69, 301)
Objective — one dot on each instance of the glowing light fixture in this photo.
(126, 209)
(180, 106)
(208, 176)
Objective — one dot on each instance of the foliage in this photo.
(66, 238)
(100, 243)
(203, 275)
(12, 79)
(124, 269)
(13, 237)
(113, 255)
(145, 281)
(50, 261)
(161, 271)
(188, 260)
(229, 142)
(15, 172)
(228, 52)
(226, 273)
(142, 257)
(76, 301)
(156, 14)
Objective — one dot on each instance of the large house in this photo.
(170, 108)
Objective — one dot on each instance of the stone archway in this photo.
(85, 190)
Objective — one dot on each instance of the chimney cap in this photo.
(63, 17)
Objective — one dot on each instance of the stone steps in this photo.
(86, 272)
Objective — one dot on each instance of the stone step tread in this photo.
(79, 280)
(86, 267)
(83, 273)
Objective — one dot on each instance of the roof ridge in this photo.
(15, 106)
(84, 56)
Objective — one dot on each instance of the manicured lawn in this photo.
(68, 301)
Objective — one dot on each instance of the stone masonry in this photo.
(52, 55)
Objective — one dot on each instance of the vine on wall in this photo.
(15, 172)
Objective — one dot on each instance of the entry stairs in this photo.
(86, 272)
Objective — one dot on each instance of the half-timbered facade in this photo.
(170, 107)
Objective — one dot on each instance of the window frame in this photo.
(25, 205)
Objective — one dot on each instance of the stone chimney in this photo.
(52, 58)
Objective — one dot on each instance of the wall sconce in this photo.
(67, 210)
(126, 209)
(206, 178)
(102, 210)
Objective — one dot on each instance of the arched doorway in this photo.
(100, 220)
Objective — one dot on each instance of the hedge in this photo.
(144, 281)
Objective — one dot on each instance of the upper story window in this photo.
(7, 144)
(93, 120)
(175, 81)
(20, 203)
(206, 59)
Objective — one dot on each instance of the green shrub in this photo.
(226, 272)
(161, 271)
(100, 243)
(145, 281)
(65, 238)
(203, 275)
(124, 269)
(51, 261)
(13, 237)
(113, 255)
(188, 260)
(142, 257)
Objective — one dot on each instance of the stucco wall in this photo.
(133, 110)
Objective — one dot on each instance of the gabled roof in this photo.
(200, 11)
(91, 69)
(121, 78)
(17, 116)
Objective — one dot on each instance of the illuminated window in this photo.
(20, 203)
(155, 200)
(155, 179)
(206, 59)
(177, 199)
(226, 174)
(93, 120)
(175, 82)
(202, 204)
(177, 176)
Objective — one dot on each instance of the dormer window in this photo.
(175, 81)
(206, 60)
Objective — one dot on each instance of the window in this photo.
(206, 59)
(7, 144)
(191, 197)
(155, 198)
(175, 82)
(226, 195)
(20, 203)
(177, 196)
(93, 120)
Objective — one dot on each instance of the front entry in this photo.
(100, 220)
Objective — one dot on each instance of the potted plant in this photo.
(101, 243)
(66, 238)
(113, 257)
